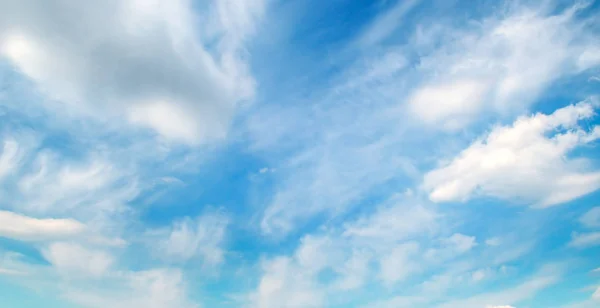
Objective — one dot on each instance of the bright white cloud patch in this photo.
(483, 69)
(141, 60)
(454, 102)
(21, 227)
(515, 162)
(76, 260)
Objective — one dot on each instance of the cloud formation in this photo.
(142, 61)
(25, 228)
(513, 162)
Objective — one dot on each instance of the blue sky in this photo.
(287, 153)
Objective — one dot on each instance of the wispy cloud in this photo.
(165, 154)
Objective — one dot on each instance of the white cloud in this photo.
(9, 272)
(87, 256)
(139, 60)
(482, 69)
(16, 226)
(386, 23)
(455, 103)
(591, 218)
(55, 185)
(91, 277)
(528, 288)
(74, 260)
(381, 247)
(323, 180)
(461, 243)
(494, 241)
(376, 245)
(450, 247)
(399, 302)
(399, 263)
(514, 162)
(284, 284)
(8, 157)
(393, 221)
(156, 288)
(584, 240)
(345, 142)
(10, 265)
(478, 275)
(354, 272)
(187, 239)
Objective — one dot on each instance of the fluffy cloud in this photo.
(482, 69)
(396, 243)
(137, 60)
(514, 162)
(187, 239)
(75, 260)
(26, 228)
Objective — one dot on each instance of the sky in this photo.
(300, 153)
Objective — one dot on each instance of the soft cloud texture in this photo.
(514, 162)
(21, 227)
(139, 60)
(483, 70)
(591, 218)
(189, 238)
(443, 76)
(584, 240)
(76, 260)
(528, 288)
(158, 288)
(264, 153)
